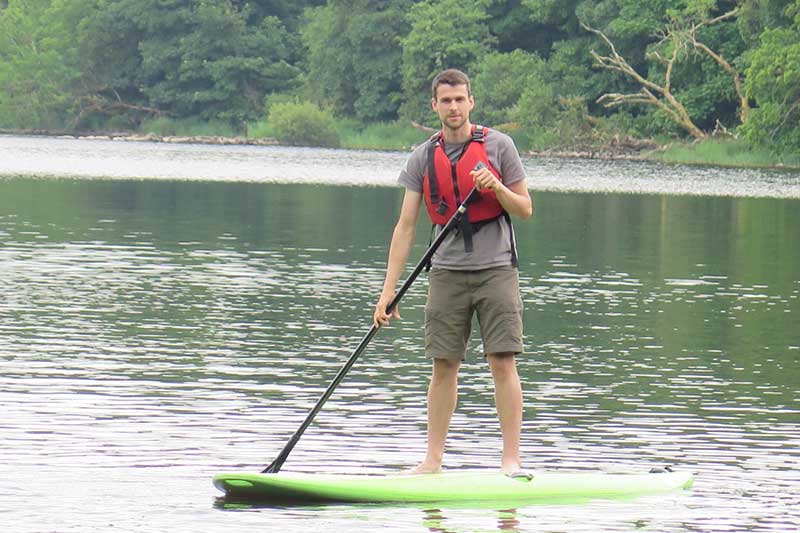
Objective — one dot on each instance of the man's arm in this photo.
(399, 249)
(514, 198)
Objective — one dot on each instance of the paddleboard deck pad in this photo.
(456, 486)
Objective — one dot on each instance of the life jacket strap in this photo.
(474, 228)
(432, 178)
(514, 257)
(478, 133)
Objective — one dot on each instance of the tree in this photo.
(303, 123)
(691, 36)
(500, 81)
(443, 34)
(532, 25)
(201, 58)
(773, 81)
(354, 56)
(656, 93)
(679, 44)
(38, 64)
(84, 62)
(289, 12)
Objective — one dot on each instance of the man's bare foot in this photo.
(510, 468)
(426, 468)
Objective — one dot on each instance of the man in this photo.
(474, 270)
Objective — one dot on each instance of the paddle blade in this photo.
(274, 467)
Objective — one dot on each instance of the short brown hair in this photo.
(450, 76)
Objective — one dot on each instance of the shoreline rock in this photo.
(613, 148)
(149, 137)
(588, 154)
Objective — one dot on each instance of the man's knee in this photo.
(503, 365)
(445, 369)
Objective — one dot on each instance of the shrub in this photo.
(379, 135)
(303, 123)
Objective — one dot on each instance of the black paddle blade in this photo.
(273, 468)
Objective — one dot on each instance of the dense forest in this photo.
(551, 72)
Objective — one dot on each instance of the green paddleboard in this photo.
(456, 486)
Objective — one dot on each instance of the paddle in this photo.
(452, 223)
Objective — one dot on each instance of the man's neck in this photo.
(459, 136)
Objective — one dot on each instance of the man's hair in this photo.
(452, 77)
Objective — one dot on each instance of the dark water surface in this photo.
(157, 331)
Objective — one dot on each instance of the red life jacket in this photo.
(446, 183)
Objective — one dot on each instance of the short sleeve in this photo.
(413, 171)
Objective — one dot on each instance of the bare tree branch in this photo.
(97, 104)
(737, 78)
(665, 101)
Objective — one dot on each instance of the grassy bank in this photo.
(722, 152)
(380, 136)
(350, 134)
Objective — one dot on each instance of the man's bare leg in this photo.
(442, 399)
(508, 399)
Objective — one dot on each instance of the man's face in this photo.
(453, 104)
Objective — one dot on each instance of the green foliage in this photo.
(706, 89)
(444, 34)
(290, 12)
(514, 91)
(725, 152)
(551, 120)
(759, 15)
(37, 65)
(353, 56)
(531, 25)
(500, 80)
(261, 129)
(195, 126)
(303, 123)
(202, 58)
(182, 58)
(379, 135)
(773, 81)
(175, 65)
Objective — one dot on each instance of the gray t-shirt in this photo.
(492, 242)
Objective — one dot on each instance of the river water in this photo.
(168, 312)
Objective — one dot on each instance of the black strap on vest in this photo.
(433, 181)
(467, 228)
(475, 227)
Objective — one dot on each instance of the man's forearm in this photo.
(514, 202)
(399, 250)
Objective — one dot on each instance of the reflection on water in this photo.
(153, 333)
(437, 522)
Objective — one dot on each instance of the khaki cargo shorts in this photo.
(455, 296)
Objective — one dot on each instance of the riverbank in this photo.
(149, 137)
(724, 152)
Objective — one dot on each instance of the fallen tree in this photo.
(677, 41)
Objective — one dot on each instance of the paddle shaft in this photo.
(454, 221)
